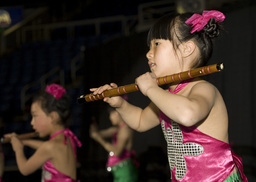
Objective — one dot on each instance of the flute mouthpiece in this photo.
(220, 66)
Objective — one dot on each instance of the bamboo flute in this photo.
(201, 71)
(21, 137)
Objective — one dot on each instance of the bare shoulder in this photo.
(202, 86)
(47, 150)
(202, 83)
(48, 145)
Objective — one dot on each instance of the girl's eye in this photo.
(157, 43)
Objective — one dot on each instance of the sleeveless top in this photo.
(195, 156)
(49, 172)
(113, 159)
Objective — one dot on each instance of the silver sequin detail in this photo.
(46, 175)
(176, 149)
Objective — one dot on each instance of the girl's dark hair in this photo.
(49, 104)
(173, 27)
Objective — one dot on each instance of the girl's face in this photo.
(163, 59)
(41, 122)
(115, 118)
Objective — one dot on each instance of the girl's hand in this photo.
(17, 145)
(94, 134)
(10, 135)
(115, 101)
(94, 127)
(146, 81)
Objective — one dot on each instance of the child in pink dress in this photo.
(192, 113)
(50, 110)
(121, 161)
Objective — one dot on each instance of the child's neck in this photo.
(179, 86)
(57, 128)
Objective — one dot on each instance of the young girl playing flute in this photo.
(50, 111)
(192, 113)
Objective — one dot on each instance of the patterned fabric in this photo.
(49, 172)
(195, 156)
(234, 178)
(177, 150)
(192, 152)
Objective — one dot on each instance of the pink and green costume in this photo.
(195, 156)
(123, 167)
(49, 172)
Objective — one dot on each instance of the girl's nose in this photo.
(149, 54)
(31, 122)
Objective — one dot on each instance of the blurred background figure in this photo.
(121, 160)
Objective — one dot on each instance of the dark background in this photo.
(114, 57)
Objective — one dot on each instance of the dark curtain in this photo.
(236, 49)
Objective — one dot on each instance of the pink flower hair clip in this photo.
(56, 90)
(199, 21)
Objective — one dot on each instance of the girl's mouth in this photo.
(151, 65)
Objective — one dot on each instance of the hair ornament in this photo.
(198, 22)
(56, 90)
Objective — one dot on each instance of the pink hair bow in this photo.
(56, 90)
(199, 21)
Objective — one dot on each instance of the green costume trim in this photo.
(125, 171)
(234, 178)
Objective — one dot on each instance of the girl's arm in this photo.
(185, 108)
(35, 144)
(107, 133)
(188, 109)
(122, 138)
(137, 118)
(28, 166)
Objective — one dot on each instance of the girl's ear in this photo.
(188, 48)
(54, 116)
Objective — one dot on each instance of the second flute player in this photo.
(192, 113)
(50, 110)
